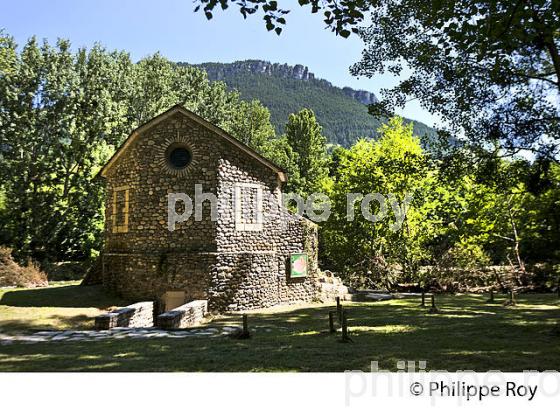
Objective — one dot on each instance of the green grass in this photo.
(62, 305)
(468, 334)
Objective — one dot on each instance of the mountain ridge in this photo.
(221, 71)
(286, 89)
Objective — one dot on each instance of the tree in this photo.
(63, 114)
(60, 117)
(503, 197)
(542, 212)
(499, 212)
(489, 69)
(304, 135)
(250, 123)
(396, 167)
(279, 151)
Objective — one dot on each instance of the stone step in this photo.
(140, 314)
(187, 315)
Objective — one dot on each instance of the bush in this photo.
(13, 274)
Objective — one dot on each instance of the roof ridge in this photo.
(214, 128)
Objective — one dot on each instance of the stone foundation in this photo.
(137, 315)
(187, 315)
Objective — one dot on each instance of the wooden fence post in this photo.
(491, 300)
(511, 300)
(433, 308)
(331, 322)
(345, 337)
(339, 309)
(245, 333)
(423, 304)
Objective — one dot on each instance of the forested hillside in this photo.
(286, 89)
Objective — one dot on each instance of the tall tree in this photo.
(250, 123)
(304, 135)
(60, 118)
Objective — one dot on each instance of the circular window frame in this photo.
(174, 146)
(162, 149)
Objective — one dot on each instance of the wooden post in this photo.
(511, 300)
(434, 308)
(558, 287)
(423, 304)
(491, 300)
(339, 309)
(245, 332)
(331, 322)
(345, 337)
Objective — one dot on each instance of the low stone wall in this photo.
(187, 315)
(140, 314)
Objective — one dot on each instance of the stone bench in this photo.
(140, 314)
(187, 315)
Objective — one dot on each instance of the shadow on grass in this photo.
(61, 296)
(466, 335)
(51, 322)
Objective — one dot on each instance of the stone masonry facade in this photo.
(233, 262)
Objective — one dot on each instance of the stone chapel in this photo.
(236, 260)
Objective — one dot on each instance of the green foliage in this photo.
(490, 69)
(60, 112)
(394, 166)
(517, 219)
(279, 151)
(468, 211)
(304, 135)
(63, 114)
(250, 123)
(344, 119)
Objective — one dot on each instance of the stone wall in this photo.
(252, 279)
(187, 315)
(140, 314)
(220, 261)
(144, 170)
(253, 266)
(148, 275)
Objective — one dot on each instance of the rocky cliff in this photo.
(286, 89)
(221, 72)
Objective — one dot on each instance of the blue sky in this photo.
(143, 27)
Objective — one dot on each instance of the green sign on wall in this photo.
(298, 265)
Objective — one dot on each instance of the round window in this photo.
(179, 157)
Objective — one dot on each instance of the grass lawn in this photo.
(63, 305)
(467, 335)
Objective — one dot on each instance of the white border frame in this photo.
(240, 223)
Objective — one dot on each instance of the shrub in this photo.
(13, 274)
